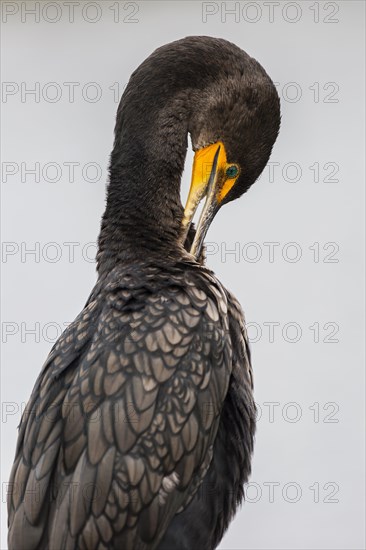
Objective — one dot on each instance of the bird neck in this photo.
(143, 212)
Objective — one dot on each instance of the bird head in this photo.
(235, 124)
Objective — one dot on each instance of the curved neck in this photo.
(163, 102)
(144, 212)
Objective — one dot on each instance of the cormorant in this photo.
(139, 431)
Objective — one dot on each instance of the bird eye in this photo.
(232, 171)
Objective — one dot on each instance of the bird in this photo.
(140, 428)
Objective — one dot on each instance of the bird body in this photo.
(139, 430)
(132, 378)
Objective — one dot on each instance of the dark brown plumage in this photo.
(139, 430)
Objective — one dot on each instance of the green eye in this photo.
(232, 171)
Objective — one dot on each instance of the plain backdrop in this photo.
(292, 249)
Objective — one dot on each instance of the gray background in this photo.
(307, 486)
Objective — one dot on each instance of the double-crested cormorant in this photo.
(139, 431)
